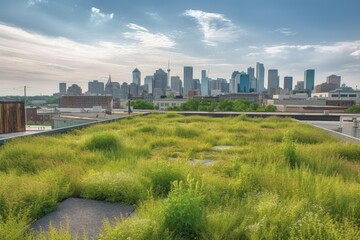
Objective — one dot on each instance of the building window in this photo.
(352, 95)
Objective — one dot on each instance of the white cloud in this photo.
(154, 16)
(286, 31)
(216, 28)
(356, 53)
(33, 2)
(147, 39)
(41, 62)
(349, 48)
(98, 18)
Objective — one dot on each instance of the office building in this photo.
(160, 83)
(245, 83)
(309, 80)
(251, 73)
(96, 87)
(333, 79)
(188, 80)
(299, 86)
(176, 85)
(260, 76)
(288, 83)
(204, 84)
(74, 90)
(149, 84)
(62, 88)
(273, 81)
(136, 76)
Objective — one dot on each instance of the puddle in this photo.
(82, 215)
(221, 147)
(206, 162)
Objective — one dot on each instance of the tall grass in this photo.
(280, 180)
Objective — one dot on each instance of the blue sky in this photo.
(44, 42)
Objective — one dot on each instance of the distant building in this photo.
(188, 80)
(85, 102)
(251, 73)
(160, 83)
(260, 76)
(134, 90)
(244, 85)
(136, 76)
(62, 88)
(96, 87)
(309, 80)
(204, 84)
(288, 83)
(273, 81)
(333, 79)
(299, 86)
(196, 84)
(176, 85)
(149, 83)
(164, 103)
(74, 90)
(124, 91)
(325, 87)
(113, 89)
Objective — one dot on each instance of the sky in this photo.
(45, 42)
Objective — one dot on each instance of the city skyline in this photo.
(45, 42)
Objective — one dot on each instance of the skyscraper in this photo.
(62, 88)
(188, 80)
(149, 83)
(160, 82)
(96, 87)
(176, 85)
(244, 85)
(309, 80)
(273, 81)
(260, 76)
(136, 76)
(204, 84)
(251, 73)
(288, 83)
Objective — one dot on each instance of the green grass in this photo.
(281, 179)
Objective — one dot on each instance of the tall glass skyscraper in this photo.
(309, 80)
(288, 83)
(260, 76)
(188, 80)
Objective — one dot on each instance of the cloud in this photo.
(98, 18)
(216, 28)
(147, 39)
(41, 61)
(154, 16)
(356, 53)
(33, 2)
(349, 48)
(286, 31)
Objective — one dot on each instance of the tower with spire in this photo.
(168, 75)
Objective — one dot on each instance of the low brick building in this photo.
(106, 102)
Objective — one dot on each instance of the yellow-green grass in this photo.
(281, 179)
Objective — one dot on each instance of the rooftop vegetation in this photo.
(280, 179)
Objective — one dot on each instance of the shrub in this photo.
(103, 142)
(161, 176)
(183, 211)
